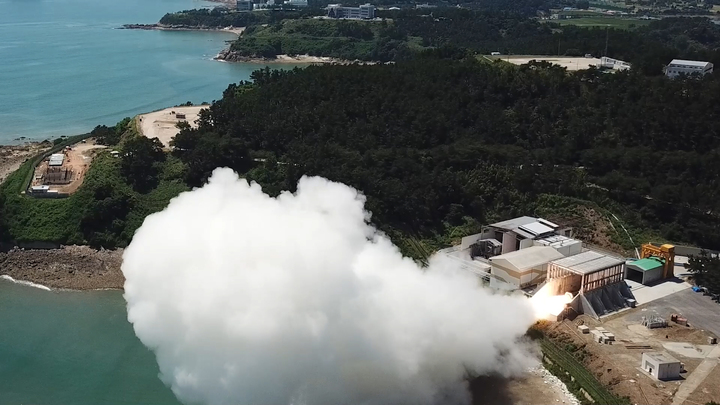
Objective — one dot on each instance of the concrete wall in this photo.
(669, 371)
(661, 371)
(508, 242)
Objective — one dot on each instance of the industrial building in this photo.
(687, 67)
(595, 280)
(614, 64)
(526, 267)
(661, 365)
(519, 233)
(363, 12)
(645, 271)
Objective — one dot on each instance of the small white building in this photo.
(56, 159)
(563, 244)
(615, 64)
(363, 12)
(526, 267)
(661, 365)
(39, 189)
(687, 67)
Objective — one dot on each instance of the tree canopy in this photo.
(434, 141)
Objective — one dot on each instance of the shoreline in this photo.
(77, 268)
(226, 55)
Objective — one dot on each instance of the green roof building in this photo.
(645, 271)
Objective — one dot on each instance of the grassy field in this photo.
(614, 22)
(566, 367)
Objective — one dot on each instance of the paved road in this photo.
(693, 381)
(701, 311)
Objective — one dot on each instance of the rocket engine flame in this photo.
(545, 304)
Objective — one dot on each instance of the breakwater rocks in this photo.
(69, 267)
(164, 27)
(232, 56)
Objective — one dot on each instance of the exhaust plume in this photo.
(252, 300)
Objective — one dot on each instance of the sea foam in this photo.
(26, 283)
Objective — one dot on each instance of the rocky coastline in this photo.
(69, 267)
(228, 55)
(164, 27)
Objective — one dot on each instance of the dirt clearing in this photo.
(163, 124)
(569, 63)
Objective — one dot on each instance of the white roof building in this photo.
(57, 159)
(661, 365)
(563, 244)
(687, 67)
(524, 267)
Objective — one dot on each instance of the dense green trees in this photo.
(433, 142)
(140, 162)
(409, 31)
(219, 17)
(110, 135)
(706, 271)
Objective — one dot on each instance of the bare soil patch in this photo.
(163, 124)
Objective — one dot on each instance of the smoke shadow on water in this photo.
(490, 390)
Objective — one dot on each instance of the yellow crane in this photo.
(666, 252)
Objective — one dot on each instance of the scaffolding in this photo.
(58, 175)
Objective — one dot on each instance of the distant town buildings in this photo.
(687, 67)
(296, 3)
(363, 12)
(244, 5)
(247, 5)
(615, 64)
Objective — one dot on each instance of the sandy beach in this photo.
(163, 124)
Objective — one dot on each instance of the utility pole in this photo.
(607, 37)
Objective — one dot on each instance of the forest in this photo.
(436, 144)
(406, 33)
(439, 147)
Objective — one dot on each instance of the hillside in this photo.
(438, 145)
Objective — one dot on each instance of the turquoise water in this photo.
(65, 68)
(73, 348)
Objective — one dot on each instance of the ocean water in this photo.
(65, 67)
(73, 348)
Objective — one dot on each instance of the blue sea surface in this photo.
(73, 348)
(65, 67)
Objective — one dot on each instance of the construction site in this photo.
(61, 174)
(637, 324)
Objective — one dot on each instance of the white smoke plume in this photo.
(252, 300)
